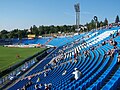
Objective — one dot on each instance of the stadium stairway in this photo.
(49, 40)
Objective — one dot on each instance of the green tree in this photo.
(4, 36)
(98, 24)
(105, 22)
(0, 36)
(4, 32)
(101, 24)
(58, 28)
(117, 19)
(92, 24)
(65, 28)
(41, 30)
(30, 31)
(14, 33)
(35, 30)
(24, 33)
(52, 29)
(20, 35)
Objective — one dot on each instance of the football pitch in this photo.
(9, 56)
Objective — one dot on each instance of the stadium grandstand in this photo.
(95, 54)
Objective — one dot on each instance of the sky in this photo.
(22, 14)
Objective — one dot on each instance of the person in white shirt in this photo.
(64, 72)
(77, 74)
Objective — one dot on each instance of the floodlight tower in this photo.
(77, 10)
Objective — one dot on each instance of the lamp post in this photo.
(96, 20)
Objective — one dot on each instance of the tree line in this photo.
(41, 30)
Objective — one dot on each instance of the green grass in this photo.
(8, 55)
